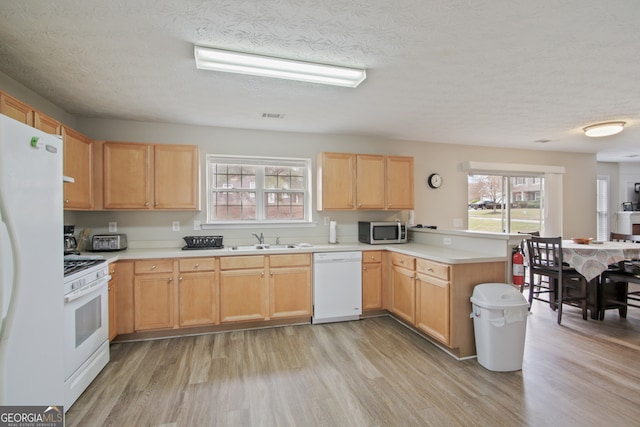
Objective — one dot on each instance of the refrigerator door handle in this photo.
(8, 291)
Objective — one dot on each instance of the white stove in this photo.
(86, 322)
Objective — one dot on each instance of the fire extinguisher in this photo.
(518, 267)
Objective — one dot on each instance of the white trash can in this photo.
(500, 322)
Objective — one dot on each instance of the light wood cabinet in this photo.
(46, 124)
(370, 181)
(289, 285)
(243, 289)
(153, 294)
(124, 297)
(336, 181)
(77, 164)
(150, 176)
(432, 299)
(17, 110)
(403, 294)
(362, 181)
(113, 288)
(372, 280)
(399, 182)
(197, 292)
(127, 176)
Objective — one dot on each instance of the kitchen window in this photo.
(245, 190)
(505, 204)
(540, 194)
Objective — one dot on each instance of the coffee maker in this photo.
(70, 242)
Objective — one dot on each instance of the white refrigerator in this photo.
(31, 266)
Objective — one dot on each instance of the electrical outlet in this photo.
(327, 220)
(113, 227)
(176, 225)
(197, 224)
(447, 240)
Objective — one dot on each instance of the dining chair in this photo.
(613, 287)
(564, 286)
(526, 266)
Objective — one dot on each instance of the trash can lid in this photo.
(498, 295)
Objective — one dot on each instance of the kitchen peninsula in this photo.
(426, 284)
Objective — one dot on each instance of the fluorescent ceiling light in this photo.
(257, 65)
(604, 129)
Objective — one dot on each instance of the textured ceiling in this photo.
(503, 73)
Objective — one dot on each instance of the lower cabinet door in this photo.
(403, 297)
(197, 293)
(290, 292)
(153, 306)
(243, 295)
(432, 307)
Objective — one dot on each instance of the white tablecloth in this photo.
(592, 259)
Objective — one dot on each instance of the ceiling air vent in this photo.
(273, 115)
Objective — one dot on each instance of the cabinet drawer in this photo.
(153, 266)
(288, 260)
(197, 264)
(432, 268)
(371, 256)
(401, 260)
(241, 262)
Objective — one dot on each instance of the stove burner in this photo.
(73, 266)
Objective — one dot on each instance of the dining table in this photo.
(593, 258)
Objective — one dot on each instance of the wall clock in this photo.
(434, 180)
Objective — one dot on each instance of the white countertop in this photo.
(435, 253)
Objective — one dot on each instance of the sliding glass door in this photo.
(505, 204)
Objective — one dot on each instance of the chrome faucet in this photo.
(260, 238)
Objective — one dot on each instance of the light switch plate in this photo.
(176, 225)
(113, 227)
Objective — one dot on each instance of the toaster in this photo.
(109, 242)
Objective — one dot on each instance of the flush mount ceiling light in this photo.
(266, 66)
(604, 129)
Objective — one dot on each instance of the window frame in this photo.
(260, 162)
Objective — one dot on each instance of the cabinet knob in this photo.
(401, 261)
(180, 278)
(66, 201)
(155, 204)
(170, 279)
(271, 273)
(146, 203)
(153, 267)
(262, 274)
(196, 265)
(364, 268)
(430, 269)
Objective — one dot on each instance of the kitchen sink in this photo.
(262, 247)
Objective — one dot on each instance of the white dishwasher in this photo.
(337, 286)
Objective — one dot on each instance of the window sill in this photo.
(263, 224)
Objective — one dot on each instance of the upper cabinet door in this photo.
(400, 182)
(46, 124)
(177, 173)
(77, 164)
(370, 192)
(128, 176)
(336, 183)
(17, 110)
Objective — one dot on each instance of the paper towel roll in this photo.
(332, 232)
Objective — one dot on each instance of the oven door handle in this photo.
(72, 296)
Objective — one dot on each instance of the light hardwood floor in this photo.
(373, 372)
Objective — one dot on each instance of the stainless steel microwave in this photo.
(381, 232)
